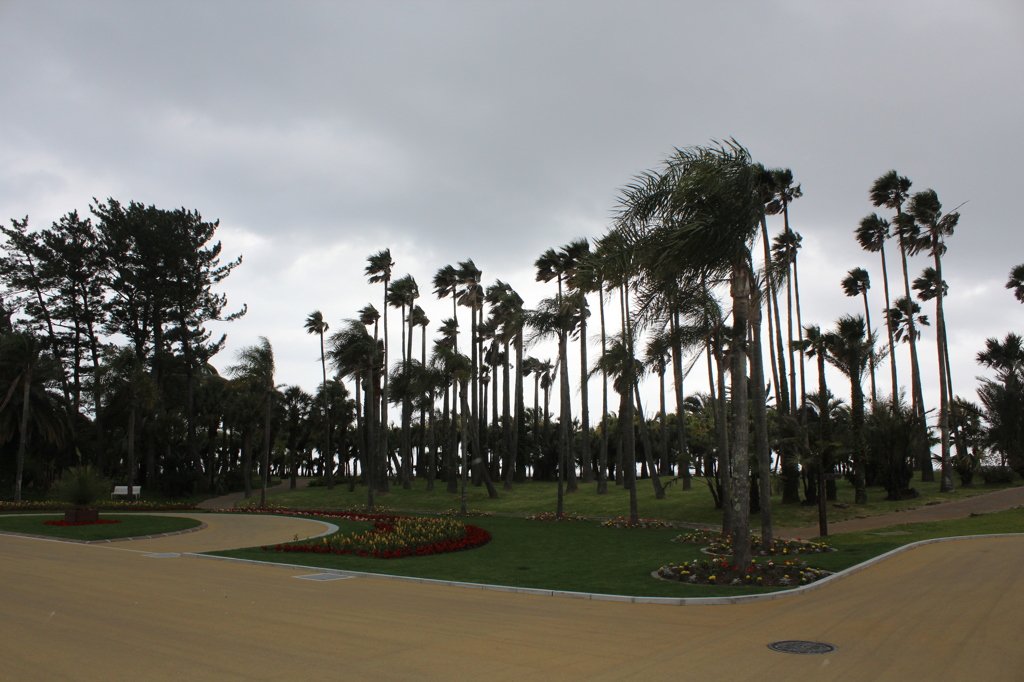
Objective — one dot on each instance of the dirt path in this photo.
(228, 501)
(947, 611)
(980, 504)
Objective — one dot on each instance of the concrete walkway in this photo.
(228, 501)
(985, 503)
(949, 611)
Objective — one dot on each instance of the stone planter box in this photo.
(81, 516)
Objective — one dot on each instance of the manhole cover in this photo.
(322, 576)
(799, 646)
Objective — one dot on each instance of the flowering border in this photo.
(384, 524)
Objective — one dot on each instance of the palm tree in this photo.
(256, 368)
(784, 251)
(871, 235)
(892, 190)
(556, 265)
(934, 227)
(356, 354)
(849, 348)
(704, 209)
(402, 294)
(555, 317)
(471, 295)
(507, 311)
(315, 324)
(784, 194)
(1016, 281)
(1003, 398)
(580, 282)
(856, 283)
(620, 364)
(378, 271)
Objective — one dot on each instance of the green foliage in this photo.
(82, 486)
(993, 475)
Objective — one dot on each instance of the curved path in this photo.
(985, 503)
(947, 611)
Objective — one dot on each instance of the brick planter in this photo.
(81, 516)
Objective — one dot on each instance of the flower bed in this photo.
(624, 522)
(80, 523)
(716, 543)
(455, 513)
(394, 537)
(718, 571)
(552, 516)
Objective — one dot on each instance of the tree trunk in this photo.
(740, 494)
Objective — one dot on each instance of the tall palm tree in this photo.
(356, 354)
(556, 318)
(704, 208)
(580, 282)
(856, 283)
(402, 294)
(556, 265)
(471, 295)
(784, 193)
(934, 227)
(892, 191)
(849, 348)
(784, 253)
(378, 271)
(315, 324)
(620, 364)
(871, 235)
(256, 368)
(507, 310)
(1016, 282)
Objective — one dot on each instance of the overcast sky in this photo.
(321, 132)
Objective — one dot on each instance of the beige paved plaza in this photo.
(948, 611)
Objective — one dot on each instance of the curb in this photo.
(664, 601)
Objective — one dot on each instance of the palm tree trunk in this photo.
(327, 416)
(265, 473)
(665, 466)
(740, 475)
(508, 422)
(867, 319)
(629, 446)
(757, 399)
(781, 397)
(587, 464)
(659, 490)
(677, 384)
(725, 464)
(917, 399)
(888, 329)
(520, 412)
(946, 485)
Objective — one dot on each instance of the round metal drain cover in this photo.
(799, 646)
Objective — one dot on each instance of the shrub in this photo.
(82, 487)
(996, 474)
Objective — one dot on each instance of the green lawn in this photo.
(585, 557)
(694, 506)
(131, 525)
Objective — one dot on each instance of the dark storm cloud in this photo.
(496, 130)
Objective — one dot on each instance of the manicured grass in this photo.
(585, 557)
(131, 525)
(694, 506)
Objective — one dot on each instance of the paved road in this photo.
(949, 611)
(980, 504)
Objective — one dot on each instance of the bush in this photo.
(82, 486)
(996, 475)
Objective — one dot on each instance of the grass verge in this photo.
(585, 557)
(693, 506)
(131, 525)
